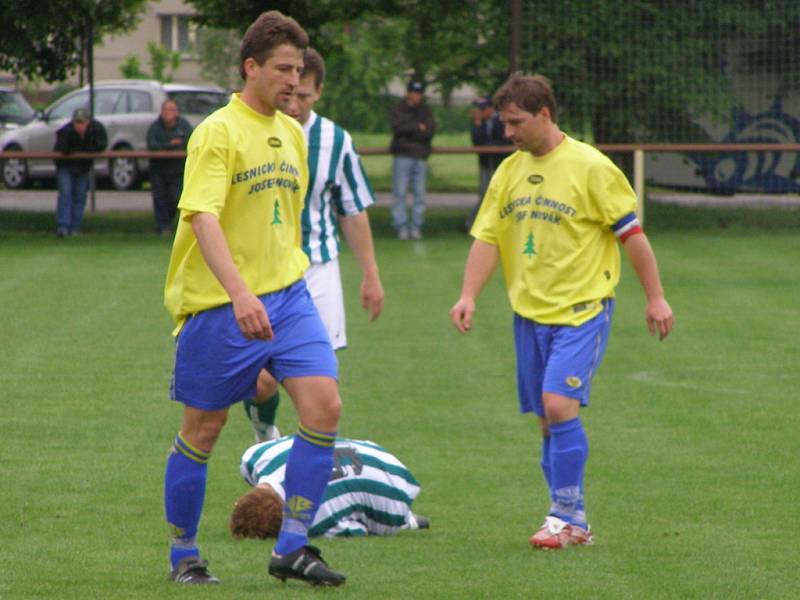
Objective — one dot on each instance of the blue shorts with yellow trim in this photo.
(559, 359)
(216, 366)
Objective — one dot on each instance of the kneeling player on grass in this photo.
(551, 215)
(370, 492)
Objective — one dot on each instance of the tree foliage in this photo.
(623, 70)
(46, 40)
(630, 70)
(163, 64)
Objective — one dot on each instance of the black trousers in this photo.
(167, 188)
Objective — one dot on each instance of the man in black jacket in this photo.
(413, 127)
(487, 130)
(81, 134)
(169, 132)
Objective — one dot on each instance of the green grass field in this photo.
(692, 483)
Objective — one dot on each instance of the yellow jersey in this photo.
(250, 170)
(554, 220)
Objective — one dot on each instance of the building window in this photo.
(176, 33)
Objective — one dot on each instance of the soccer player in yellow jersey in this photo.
(552, 216)
(236, 291)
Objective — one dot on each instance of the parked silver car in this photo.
(125, 107)
(14, 109)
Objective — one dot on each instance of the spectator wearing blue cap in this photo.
(413, 127)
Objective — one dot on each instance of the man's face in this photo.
(80, 127)
(527, 131)
(273, 83)
(305, 96)
(169, 113)
(413, 98)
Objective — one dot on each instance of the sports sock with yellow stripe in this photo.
(308, 469)
(184, 493)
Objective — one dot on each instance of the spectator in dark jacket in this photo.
(487, 130)
(413, 127)
(81, 134)
(169, 132)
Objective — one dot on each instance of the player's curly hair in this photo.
(267, 32)
(257, 514)
(529, 92)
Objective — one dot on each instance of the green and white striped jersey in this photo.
(337, 185)
(370, 490)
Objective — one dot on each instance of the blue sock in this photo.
(308, 469)
(545, 461)
(569, 450)
(184, 492)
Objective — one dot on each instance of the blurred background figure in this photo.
(487, 130)
(81, 134)
(169, 132)
(413, 127)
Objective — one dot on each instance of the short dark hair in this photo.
(313, 64)
(530, 92)
(266, 33)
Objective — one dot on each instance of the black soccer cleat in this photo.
(422, 522)
(304, 564)
(192, 571)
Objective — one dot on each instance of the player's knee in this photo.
(203, 434)
(266, 386)
(558, 408)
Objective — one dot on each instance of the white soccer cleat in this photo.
(266, 434)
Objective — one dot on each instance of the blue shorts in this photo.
(559, 359)
(216, 366)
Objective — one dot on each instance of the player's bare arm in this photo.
(481, 263)
(358, 234)
(250, 313)
(658, 313)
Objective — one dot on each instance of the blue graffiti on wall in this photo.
(756, 171)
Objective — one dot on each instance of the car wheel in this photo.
(15, 171)
(124, 172)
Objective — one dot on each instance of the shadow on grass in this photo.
(439, 222)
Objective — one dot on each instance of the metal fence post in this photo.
(638, 182)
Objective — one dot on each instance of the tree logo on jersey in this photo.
(274, 142)
(348, 462)
(276, 213)
(535, 179)
(298, 505)
(529, 249)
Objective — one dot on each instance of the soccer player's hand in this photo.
(372, 296)
(659, 318)
(252, 317)
(461, 314)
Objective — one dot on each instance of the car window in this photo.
(64, 108)
(106, 102)
(198, 103)
(14, 108)
(139, 102)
